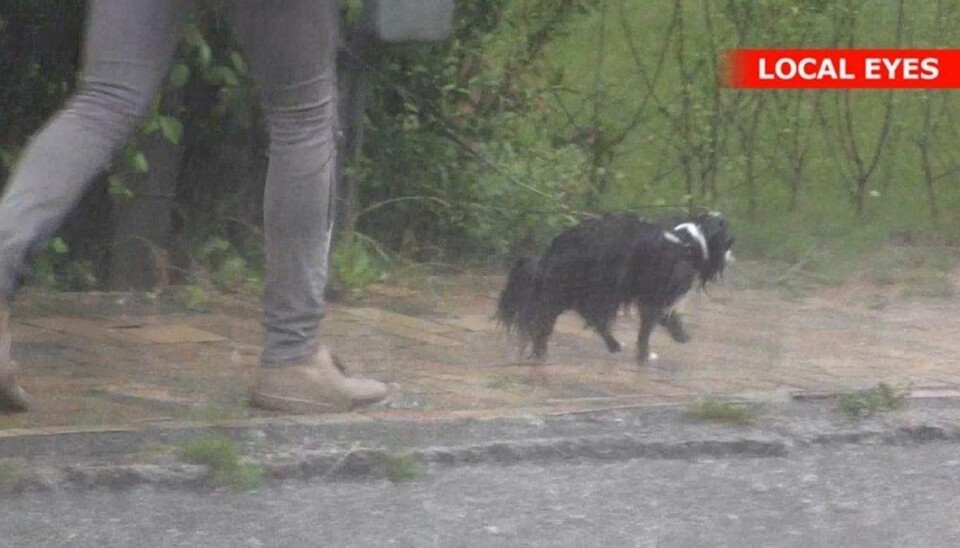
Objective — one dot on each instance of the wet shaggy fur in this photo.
(617, 260)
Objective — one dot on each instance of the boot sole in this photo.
(305, 407)
(296, 405)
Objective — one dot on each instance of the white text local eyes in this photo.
(874, 68)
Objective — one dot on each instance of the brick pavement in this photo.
(96, 361)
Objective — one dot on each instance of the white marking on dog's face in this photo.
(697, 235)
(728, 257)
(671, 237)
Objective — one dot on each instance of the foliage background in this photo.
(535, 113)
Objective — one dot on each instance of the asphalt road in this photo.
(840, 495)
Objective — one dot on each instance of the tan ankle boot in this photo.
(315, 387)
(12, 397)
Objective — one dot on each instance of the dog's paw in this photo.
(681, 337)
(650, 357)
(614, 345)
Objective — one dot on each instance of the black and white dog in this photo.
(616, 260)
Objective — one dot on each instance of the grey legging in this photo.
(128, 49)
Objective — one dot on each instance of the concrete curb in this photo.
(370, 463)
(311, 448)
(373, 463)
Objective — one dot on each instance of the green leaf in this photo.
(140, 164)
(135, 160)
(238, 63)
(58, 246)
(118, 189)
(204, 55)
(172, 129)
(152, 125)
(180, 75)
(354, 10)
(224, 76)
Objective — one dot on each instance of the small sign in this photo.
(411, 20)
(842, 68)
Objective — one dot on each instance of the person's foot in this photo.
(316, 387)
(12, 396)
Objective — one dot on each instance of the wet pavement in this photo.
(96, 361)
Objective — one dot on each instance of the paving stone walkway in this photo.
(103, 360)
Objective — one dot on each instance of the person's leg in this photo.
(291, 48)
(128, 47)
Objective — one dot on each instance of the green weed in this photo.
(47, 262)
(870, 401)
(220, 455)
(228, 269)
(193, 298)
(354, 266)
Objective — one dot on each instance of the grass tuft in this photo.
(870, 401)
(220, 455)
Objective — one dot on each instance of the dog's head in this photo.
(710, 242)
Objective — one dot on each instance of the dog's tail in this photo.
(519, 295)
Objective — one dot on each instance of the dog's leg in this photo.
(603, 318)
(648, 320)
(674, 325)
(542, 329)
(613, 345)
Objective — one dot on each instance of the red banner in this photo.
(842, 68)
